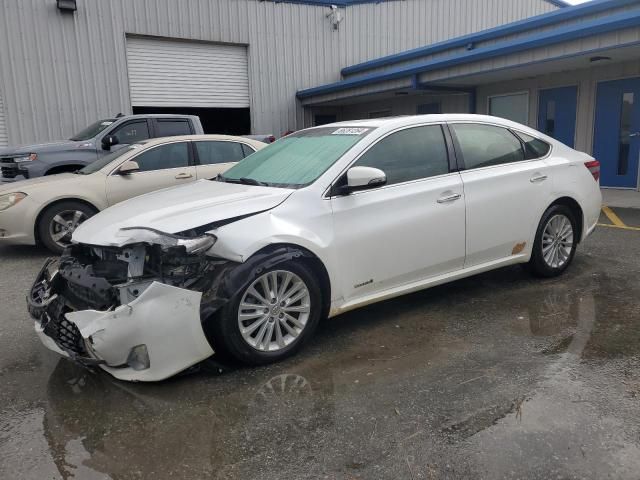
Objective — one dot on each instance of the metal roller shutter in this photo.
(4, 140)
(173, 73)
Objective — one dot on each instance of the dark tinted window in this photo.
(132, 132)
(533, 148)
(169, 128)
(486, 145)
(172, 155)
(210, 153)
(409, 154)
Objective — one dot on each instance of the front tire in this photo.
(555, 243)
(58, 222)
(272, 316)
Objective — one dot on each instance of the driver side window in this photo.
(173, 155)
(132, 132)
(410, 154)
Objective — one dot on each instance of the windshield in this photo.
(106, 160)
(92, 130)
(298, 159)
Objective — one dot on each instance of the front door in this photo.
(557, 113)
(617, 132)
(160, 167)
(408, 230)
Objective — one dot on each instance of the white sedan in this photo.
(322, 221)
(48, 209)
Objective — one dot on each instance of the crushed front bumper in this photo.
(153, 337)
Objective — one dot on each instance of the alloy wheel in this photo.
(557, 241)
(274, 310)
(63, 225)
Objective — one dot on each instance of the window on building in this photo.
(410, 154)
(132, 132)
(172, 155)
(210, 153)
(169, 128)
(486, 145)
(512, 107)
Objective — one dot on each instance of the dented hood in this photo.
(177, 209)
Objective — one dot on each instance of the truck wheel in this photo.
(272, 316)
(58, 222)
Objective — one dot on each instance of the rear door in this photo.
(506, 187)
(214, 157)
(161, 166)
(169, 127)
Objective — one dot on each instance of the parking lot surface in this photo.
(496, 376)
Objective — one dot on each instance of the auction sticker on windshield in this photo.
(350, 131)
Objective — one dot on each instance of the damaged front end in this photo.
(137, 310)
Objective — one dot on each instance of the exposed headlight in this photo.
(25, 158)
(10, 199)
(167, 240)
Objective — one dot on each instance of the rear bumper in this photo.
(153, 337)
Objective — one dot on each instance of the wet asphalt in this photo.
(496, 376)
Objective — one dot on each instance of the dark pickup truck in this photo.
(98, 139)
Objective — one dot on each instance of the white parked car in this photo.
(49, 209)
(322, 221)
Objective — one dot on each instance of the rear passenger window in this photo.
(410, 154)
(533, 147)
(486, 145)
(210, 153)
(169, 128)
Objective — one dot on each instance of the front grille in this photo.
(66, 335)
(10, 171)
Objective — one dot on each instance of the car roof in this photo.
(160, 140)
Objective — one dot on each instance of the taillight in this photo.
(594, 167)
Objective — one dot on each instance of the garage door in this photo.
(168, 73)
(3, 126)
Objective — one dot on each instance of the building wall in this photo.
(586, 80)
(457, 103)
(61, 71)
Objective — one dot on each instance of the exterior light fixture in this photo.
(67, 5)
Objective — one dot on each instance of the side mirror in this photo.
(128, 167)
(364, 178)
(109, 141)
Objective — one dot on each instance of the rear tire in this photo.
(555, 243)
(271, 317)
(58, 222)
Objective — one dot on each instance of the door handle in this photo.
(538, 178)
(183, 175)
(449, 198)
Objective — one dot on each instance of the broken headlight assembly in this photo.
(192, 245)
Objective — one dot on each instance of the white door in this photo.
(4, 141)
(214, 157)
(175, 73)
(410, 229)
(506, 189)
(160, 167)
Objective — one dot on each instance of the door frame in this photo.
(593, 125)
(555, 87)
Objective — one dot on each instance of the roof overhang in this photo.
(446, 65)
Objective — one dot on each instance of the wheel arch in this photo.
(313, 262)
(64, 168)
(577, 210)
(55, 202)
